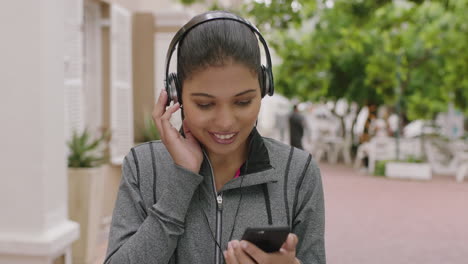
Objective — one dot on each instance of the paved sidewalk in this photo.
(375, 220)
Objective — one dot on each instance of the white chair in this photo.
(339, 146)
(319, 149)
(384, 148)
(447, 159)
(381, 148)
(462, 168)
(362, 152)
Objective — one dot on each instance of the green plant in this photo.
(86, 152)
(413, 159)
(380, 167)
(150, 131)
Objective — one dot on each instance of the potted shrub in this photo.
(150, 131)
(85, 191)
(380, 168)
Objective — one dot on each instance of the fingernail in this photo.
(243, 244)
(235, 244)
(229, 245)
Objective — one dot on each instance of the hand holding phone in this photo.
(185, 151)
(263, 245)
(268, 239)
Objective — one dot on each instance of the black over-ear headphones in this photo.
(172, 83)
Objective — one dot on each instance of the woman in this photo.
(189, 197)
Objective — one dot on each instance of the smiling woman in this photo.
(221, 108)
(189, 197)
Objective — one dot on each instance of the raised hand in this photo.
(186, 152)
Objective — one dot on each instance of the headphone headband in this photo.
(172, 83)
(206, 17)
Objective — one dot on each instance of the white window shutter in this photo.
(121, 84)
(92, 63)
(73, 67)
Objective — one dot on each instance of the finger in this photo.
(240, 254)
(227, 258)
(230, 256)
(159, 109)
(169, 130)
(254, 252)
(160, 104)
(291, 243)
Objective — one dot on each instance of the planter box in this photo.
(112, 182)
(85, 200)
(406, 170)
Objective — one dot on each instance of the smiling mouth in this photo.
(225, 138)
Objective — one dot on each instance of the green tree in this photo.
(357, 49)
(369, 52)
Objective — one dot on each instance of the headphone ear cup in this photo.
(261, 81)
(267, 81)
(172, 89)
(178, 87)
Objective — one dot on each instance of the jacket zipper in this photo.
(219, 216)
(219, 227)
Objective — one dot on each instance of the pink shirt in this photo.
(237, 173)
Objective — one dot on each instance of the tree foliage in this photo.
(369, 52)
(373, 52)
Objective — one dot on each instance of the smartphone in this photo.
(268, 239)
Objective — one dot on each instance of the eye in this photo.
(244, 102)
(204, 106)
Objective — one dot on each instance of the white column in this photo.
(34, 227)
(121, 83)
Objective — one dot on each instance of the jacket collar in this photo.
(257, 168)
(258, 158)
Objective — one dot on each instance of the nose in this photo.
(225, 119)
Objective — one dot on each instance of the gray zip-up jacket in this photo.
(167, 214)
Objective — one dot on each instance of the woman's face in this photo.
(221, 106)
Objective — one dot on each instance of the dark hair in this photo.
(215, 43)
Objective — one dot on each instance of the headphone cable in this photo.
(235, 216)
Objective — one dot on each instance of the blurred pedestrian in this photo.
(296, 128)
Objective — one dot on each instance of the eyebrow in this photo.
(211, 96)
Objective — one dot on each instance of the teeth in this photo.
(228, 136)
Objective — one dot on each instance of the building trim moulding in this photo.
(51, 242)
(166, 29)
(129, 5)
(165, 19)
